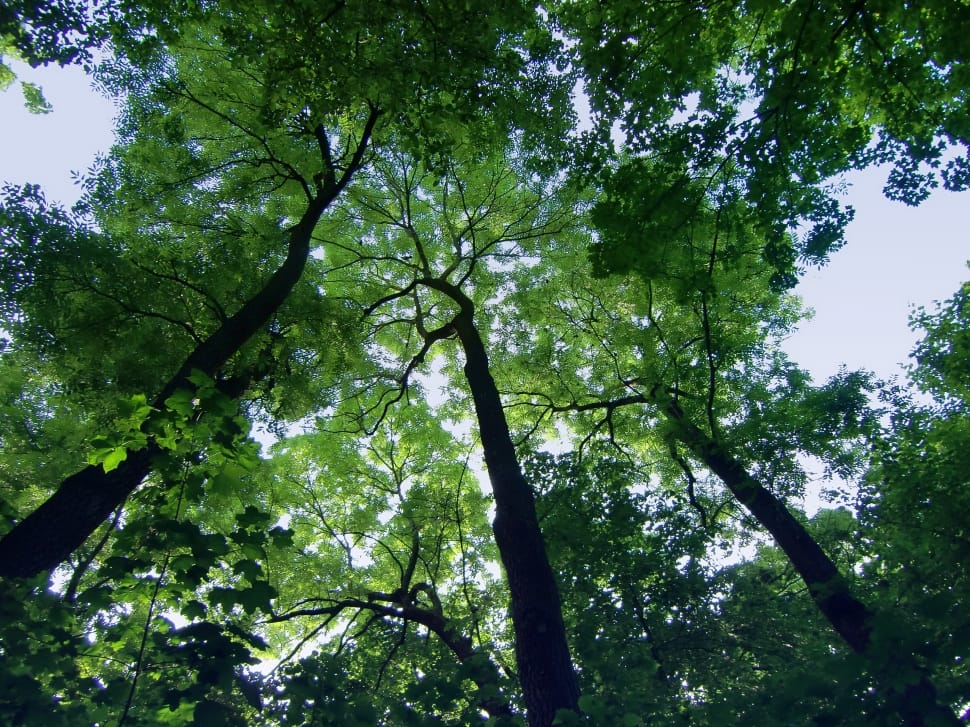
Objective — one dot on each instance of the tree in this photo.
(913, 493)
(222, 148)
(269, 156)
(679, 354)
(317, 216)
(411, 557)
(427, 249)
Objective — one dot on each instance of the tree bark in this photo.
(545, 667)
(48, 535)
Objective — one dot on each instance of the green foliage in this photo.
(915, 495)
(34, 100)
(62, 32)
(781, 98)
(942, 355)
(344, 571)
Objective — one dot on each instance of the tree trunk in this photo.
(916, 702)
(48, 536)
(545, 668)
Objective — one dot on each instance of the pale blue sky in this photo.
(896, 256)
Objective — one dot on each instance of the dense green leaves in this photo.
(375, 237)
(784, 95)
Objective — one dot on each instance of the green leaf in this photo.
(182, 562)
(257, 597)
(222, 484)
(7, 76)
(97, 597)
(182, 403)
(113, 458)
(281, 537)
(193, 610)
(252, 516)
(225, 598)
(252, 570)
(211, 714)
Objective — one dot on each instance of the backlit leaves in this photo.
(349, 556)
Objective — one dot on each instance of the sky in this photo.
(896, 257)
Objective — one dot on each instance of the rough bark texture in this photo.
(49, 535)
(84, 500)
(916, 702)
(545, 668)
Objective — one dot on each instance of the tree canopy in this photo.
(372, 382)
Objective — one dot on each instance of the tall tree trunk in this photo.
(917, 701)
(48, 535)
(545, 667)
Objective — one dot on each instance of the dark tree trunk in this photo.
(848, 616)
(545, 668)
(917, 702)
(48, 536)
(53, 531)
